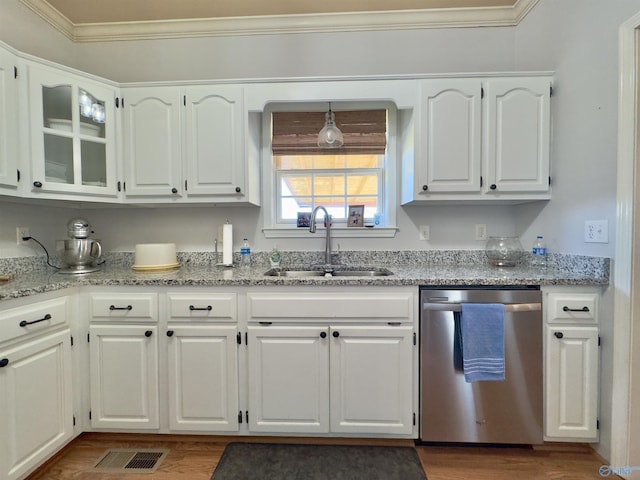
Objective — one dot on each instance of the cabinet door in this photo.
(72, 134)
(517, 133)
(288, 379)
(571, 382)
(451, 132)
(36, 404)
(371, 379)
(8, 121)
(203, 378)
(152, 142)
(124, 376)
(214, 141)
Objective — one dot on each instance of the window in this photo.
(301, 176)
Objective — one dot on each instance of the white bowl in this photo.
(155, 255)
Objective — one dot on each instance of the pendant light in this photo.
(330, 136)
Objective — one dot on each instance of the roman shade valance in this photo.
(296, 133)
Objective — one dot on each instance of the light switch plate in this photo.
(424, 232)
(481, 231)
(596, 231)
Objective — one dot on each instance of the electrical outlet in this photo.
(424, 232)
(596, 231)
(20, 233)
(481, 231)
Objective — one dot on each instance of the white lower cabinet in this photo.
(203, 378)
(36, 402)
(571, 366)
(350, 372)
(133, 336)
(124, 376)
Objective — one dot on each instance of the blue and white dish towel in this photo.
(482, 326)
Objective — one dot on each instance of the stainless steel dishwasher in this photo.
(453, 410)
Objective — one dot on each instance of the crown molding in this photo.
(283, 24)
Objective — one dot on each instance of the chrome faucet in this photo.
(312, 229)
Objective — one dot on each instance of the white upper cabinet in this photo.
(152, 142)
(185, 144)
(215, 141)
(451, 133)
(517, 135)
(8, 120)
(478, 139)
(72, 128)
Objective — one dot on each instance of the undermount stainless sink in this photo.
(348, 272)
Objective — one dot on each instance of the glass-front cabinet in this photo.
(72, 134)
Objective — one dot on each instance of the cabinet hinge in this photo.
(239, 338)
(415, 338)
(414, 418)
(481, 92)
(246, 416)
(240, 417)
(15, 72)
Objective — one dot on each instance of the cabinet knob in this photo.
(425, 188)
(169, 333)
(336, 334)
(323, 334)
(4, 362)
(37, 184)
(148, 333)
(174, 190)
(238, 189)
(493, 186)
(558, 334)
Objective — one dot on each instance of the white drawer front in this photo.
(124, 306)
(331, 305)
(203, 306)
(20, 321)
(572, 307)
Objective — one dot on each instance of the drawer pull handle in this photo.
(170, 333)
(567, 309)
(113, 307)
(208, 307)
(323, 334)
(148, 333)
(558, 334)
(336, 334)
(24, 323)
(4, 362)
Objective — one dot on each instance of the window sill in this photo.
(336, 232)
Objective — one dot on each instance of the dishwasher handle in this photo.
(457, 307)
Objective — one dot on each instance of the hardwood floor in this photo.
(195, 458)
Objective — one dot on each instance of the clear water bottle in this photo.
(539, 253)
(245, 253)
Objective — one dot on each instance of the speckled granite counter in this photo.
(460, 268)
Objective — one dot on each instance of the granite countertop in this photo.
(404, 274)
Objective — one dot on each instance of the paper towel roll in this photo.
(227, 244)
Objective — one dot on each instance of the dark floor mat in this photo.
(260, 461)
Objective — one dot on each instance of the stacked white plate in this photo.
(155, 256)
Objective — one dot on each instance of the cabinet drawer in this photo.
(21, 321)
(572, 307)
(124, 306)
(194, 306)
(331, 305)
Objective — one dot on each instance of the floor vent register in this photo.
(121, 460)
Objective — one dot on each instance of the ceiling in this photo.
(101, 20)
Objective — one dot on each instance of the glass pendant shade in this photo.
(330, 136)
